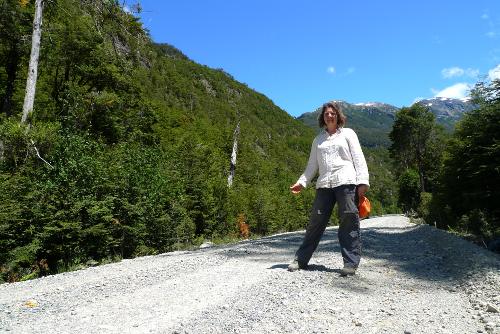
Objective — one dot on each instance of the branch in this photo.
(38, 154)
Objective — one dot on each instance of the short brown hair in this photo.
(336, 106)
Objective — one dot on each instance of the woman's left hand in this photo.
(362, 189)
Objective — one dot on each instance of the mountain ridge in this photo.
(373, 120)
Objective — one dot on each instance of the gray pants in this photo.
(349, 231)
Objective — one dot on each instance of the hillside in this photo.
(245, 288)
(373, 121)
(139, 141)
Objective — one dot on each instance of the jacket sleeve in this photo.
(312, 165)
(358, 158)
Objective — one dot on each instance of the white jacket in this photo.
(339, 159)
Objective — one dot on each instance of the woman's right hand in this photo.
(296, 188)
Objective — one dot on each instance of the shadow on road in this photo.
(420, 251)
(311, 267)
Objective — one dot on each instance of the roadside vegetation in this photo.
(452, 181)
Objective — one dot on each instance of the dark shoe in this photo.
(347, 270)
(296, 265)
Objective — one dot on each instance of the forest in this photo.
(127, 151)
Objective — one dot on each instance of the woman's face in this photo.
(330, 116)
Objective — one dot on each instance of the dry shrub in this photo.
(243, 226)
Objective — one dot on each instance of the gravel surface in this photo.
(412, 279)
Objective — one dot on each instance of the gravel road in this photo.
(412, 279)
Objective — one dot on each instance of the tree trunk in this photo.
(232, 167)
(29, 98)
(420, 148)
(422, 181)
(421, 174)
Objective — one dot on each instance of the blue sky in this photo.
(301, 54)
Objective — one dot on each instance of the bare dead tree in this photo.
(232, 166)
(29, 97)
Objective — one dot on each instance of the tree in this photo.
(232, 166)
(409, 190)
(29, 98)
(471, 172)
(417, 143)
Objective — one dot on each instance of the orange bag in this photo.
(364, 207)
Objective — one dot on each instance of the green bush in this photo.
(409, 191)
(22, 262)
(424, 208)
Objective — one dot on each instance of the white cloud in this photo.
(340, 72)
(126, 9)
(494, 74)
(452, 72)
(457, 91)
(472, 72)
(493, 29)
(455, 72)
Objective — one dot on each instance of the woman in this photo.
(343, 177)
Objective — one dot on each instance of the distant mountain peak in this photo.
(338, 101)
(374, 104)
(366, 104)
(446, 99)
(373, 120)
(448, 108)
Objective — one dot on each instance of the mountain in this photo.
(373, 121)
(136, 141)
(447, 110)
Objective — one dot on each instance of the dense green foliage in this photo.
(470, 178)
(409, 190)
(452, 182)
(137, 140)
(417, 144)
(383, 186)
